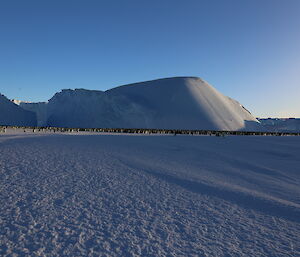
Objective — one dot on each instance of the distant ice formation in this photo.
(12, 114)
(170, 103)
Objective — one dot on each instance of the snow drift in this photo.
(11, 114)
(171, 103)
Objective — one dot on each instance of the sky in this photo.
(247, 49)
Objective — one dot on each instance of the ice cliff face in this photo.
(11, 114)
(281, 125)
(40, 110)
(85, 108)
(172, 103)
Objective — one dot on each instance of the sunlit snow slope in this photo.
(176, 103)
(120, 195)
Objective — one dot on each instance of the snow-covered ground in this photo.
(136, 195)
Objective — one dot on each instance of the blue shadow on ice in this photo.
(244, 200)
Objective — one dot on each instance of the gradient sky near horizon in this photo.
(247, 49)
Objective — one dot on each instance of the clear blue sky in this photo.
(247, 49)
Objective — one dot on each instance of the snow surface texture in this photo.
(121, 195)
(12, 114)
(172, 103)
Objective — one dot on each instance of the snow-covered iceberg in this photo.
(171, 103)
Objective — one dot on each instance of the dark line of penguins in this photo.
(148, 131)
